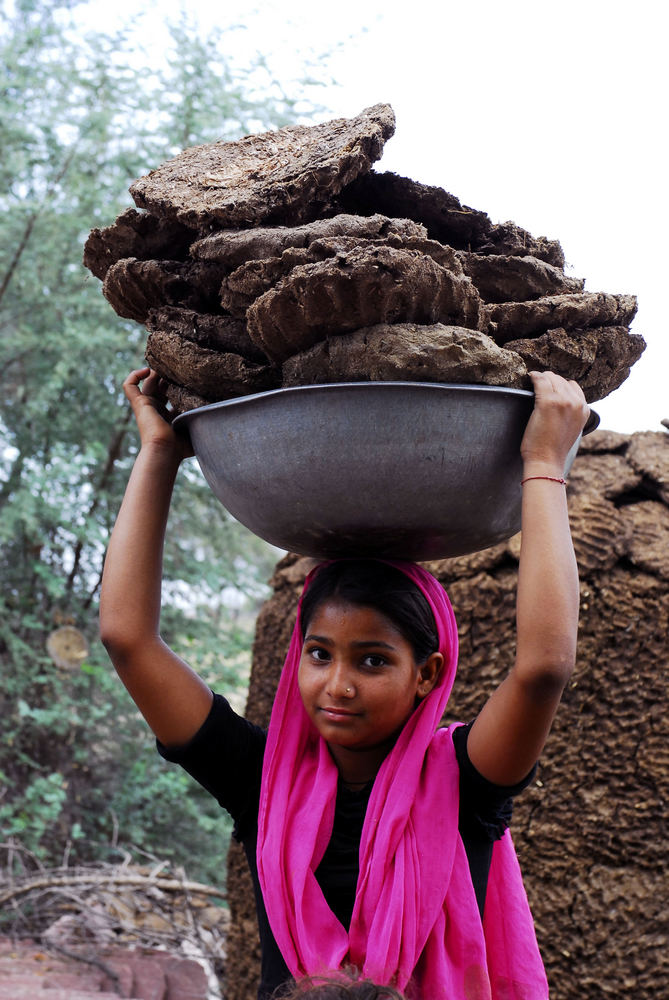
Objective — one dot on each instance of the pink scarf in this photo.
(415, 922)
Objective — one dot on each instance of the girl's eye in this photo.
(374, 660)
(319, 654)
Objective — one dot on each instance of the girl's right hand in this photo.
(154, 421)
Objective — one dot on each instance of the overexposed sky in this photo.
(552, 115)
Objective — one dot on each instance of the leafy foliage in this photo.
(81, 116)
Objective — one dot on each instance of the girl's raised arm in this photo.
(171, 697)
(508, 735)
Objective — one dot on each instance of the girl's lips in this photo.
(330, 712)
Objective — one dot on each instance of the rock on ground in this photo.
(285, 176)
(406, 351)
(29, 971)
(590, 829)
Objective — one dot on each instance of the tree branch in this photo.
(12, 480)
(30, 224)
(107, 879)
(113, 453)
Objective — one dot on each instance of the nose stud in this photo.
(348, 690)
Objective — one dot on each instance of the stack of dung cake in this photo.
(283, 259)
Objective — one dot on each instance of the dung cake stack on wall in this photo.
(590, 829)
(283, 259)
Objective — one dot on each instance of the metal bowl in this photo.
(412, 470)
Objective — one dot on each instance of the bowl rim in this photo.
(181, 421)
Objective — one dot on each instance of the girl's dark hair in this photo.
(340, 987)
(373, 584)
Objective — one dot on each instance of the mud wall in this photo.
(590, 830)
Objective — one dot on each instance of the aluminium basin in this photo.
(410, 470)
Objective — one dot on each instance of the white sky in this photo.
(553, 115)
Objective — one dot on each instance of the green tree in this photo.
(81, 116)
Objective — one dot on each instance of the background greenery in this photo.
(81, 116)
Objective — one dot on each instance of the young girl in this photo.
(375, 839)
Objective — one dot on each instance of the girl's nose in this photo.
(340, 684)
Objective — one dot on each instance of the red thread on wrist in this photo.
(552, 479)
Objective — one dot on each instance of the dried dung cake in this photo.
(249, 281)
(136, 234)
(598, 358)
(261, 249)
(500, 278)
(507, 321)
(135, 287)
(589, 830)
(408, 352)
(287, 176)
(181, 400)
(446, 219)
(233, 247)
(219, 333)
(651, 463)
(211, 374)
(356, 289)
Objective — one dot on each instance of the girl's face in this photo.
(358, 678)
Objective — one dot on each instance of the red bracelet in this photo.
(552, 479)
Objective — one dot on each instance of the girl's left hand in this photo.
(559, 415)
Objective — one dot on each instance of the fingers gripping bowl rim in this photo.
(408, 470)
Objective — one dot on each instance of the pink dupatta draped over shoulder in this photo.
(415, 922)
